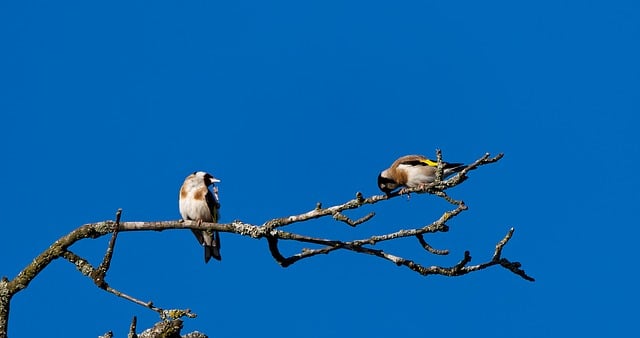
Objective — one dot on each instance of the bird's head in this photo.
(207, 178)
(386, 183)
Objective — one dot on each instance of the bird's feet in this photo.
(405, 191)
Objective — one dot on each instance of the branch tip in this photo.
(439, 166)
(132, 328)
(429, 248)
(118, 214)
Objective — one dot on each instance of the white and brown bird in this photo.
(412, 171)
(198, 203)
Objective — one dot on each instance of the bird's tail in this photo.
(455, 167)
(213, 250)
(452, 168)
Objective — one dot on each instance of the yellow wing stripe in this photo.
(429, 162)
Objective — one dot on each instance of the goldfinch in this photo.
(413, 171)
(198, 203)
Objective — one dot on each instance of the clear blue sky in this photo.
(110, 105)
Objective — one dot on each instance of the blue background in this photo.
(109, 105)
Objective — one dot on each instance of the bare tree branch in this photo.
(429, 248)
(318, 212)
(88, 270)
(109, 334)
(341, 217)
(272, 231)
(168, 329)
(132, 328)
(100, 273)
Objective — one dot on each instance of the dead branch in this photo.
(271, 230)
(132, 328)
(99, 274)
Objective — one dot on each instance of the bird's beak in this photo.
(214, 180)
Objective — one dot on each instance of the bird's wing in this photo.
(214, 205)
(415, 160)
(199, 237)
(212, 249)
(419, 160)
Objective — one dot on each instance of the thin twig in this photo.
(108, 334)
(318, 212)
(99, 275)
(275, 252)
(341, 217)
(496, 260)
(440, 166)
(88, 270)
(429, 248)
(132, 328)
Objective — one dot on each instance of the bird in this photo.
(412, 171)
(198, 203)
